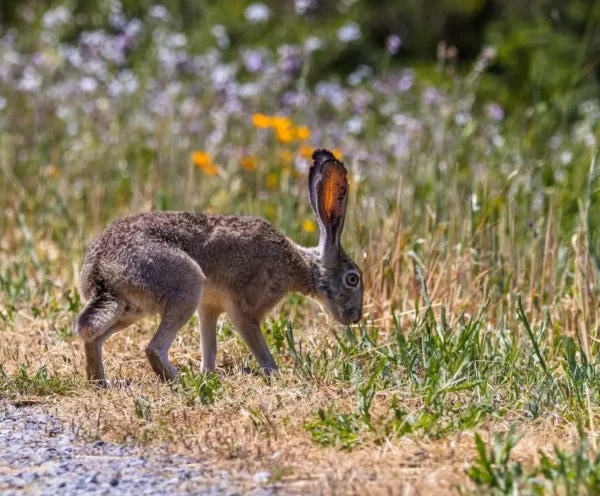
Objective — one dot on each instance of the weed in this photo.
(200, 387)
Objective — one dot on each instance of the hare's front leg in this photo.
(208, 317)
(249, 329)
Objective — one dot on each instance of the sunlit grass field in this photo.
(475, 230)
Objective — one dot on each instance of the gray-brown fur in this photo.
(176, 263)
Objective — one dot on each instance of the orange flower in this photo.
(210, 170)
(337, 153)
(302, 133)
(285, 134)
(285, 156)
(248, 163)
(261, 121)
(306, 151)
(279, 122)
(201, 159)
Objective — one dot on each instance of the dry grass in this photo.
(257, 424)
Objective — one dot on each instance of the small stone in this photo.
(261, 477)
(114, 482)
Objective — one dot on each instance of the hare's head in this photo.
(338, 280)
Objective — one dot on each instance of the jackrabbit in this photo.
(176, 263)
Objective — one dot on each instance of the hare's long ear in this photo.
(328, 191)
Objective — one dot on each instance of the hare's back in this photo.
(230, 250)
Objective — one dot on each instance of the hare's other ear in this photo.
(328, 191)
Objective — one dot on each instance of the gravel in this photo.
(40, 455)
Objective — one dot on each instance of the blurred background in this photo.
(545, 48)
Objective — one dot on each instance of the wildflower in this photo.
(210, 170)
(201, 159)
(270, 210)
(220, 34)
(261, 121)
(272, 180)
(285, 134)
(283, 128)
(303, 133)
(52, 171)
(337, 153)
(253, 61)
(257, 12)
(306, 151)
(308, 225)
(494, 111)
(279, 122)
(566, 156)
(285, 156)
(350, 32)
(393, 44)
(248, 163)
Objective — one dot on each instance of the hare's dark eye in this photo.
(352, 278)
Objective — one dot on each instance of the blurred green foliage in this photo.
(547, 50)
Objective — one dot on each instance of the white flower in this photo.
(350, 32)
(88, 84)
(56, 17)
(2, 103)
(159, 12)
(313, 44)
(301, 6)
(566, 157)
(31, 80)
(221, 37)
(462, 118)
(177, 40)
(257, 13)
(354, 125)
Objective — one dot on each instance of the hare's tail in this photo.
(100, 313)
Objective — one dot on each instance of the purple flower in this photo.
(253, 61)
(393, 44)
(406, 81)
(494, 111)
(430, 96)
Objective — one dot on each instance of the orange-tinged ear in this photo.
(335, 191)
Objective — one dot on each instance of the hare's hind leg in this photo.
(100, 318)
(181, 286)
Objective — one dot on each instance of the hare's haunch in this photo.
(177, 263)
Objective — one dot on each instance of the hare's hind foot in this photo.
(102, 317)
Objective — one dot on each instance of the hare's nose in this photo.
(356, 316)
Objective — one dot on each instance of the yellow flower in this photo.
(308, 225)
(337, 153)
(270, 210)
(272, 180)
(261, 121)
(248, 163)
(306, 151)
(285, 156)
(201, 159)
(303, 133)
(52, 171)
